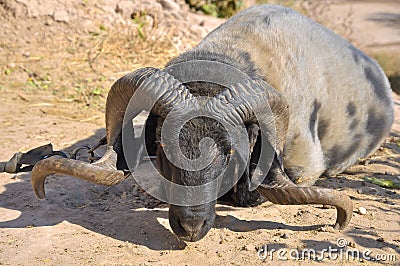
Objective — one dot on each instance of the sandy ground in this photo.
(85, 224)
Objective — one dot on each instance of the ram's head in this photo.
(200, 153)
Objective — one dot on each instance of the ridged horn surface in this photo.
(311, 195)
(155, 85)
(102, 172)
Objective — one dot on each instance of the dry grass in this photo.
(78, 69)
(312, 9)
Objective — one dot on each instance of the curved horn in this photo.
(102, 172)
(154, 84)
(311, 195)
(256, 96)
(118, 99)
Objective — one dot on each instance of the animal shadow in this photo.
(124, 212)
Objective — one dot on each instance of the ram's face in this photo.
(192, 223)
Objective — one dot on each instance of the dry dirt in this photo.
(57, 61)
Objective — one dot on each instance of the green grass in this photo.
(217, 8)
(390, 62)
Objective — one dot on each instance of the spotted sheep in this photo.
(331, 103)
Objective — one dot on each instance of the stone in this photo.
(362, 211)
(61, 16)
(170, 5)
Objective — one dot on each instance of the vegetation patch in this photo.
(390, 63)
(216, 8)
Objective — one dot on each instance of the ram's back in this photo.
(339, 99)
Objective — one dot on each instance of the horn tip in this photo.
(344, 215)
(38, 189)
(339, 226)
(40, 194)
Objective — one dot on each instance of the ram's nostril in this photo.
(193, 225)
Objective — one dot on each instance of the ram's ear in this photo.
(253, 130)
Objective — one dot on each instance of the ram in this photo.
(329, 104)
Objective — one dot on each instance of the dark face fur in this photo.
(192, 223)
